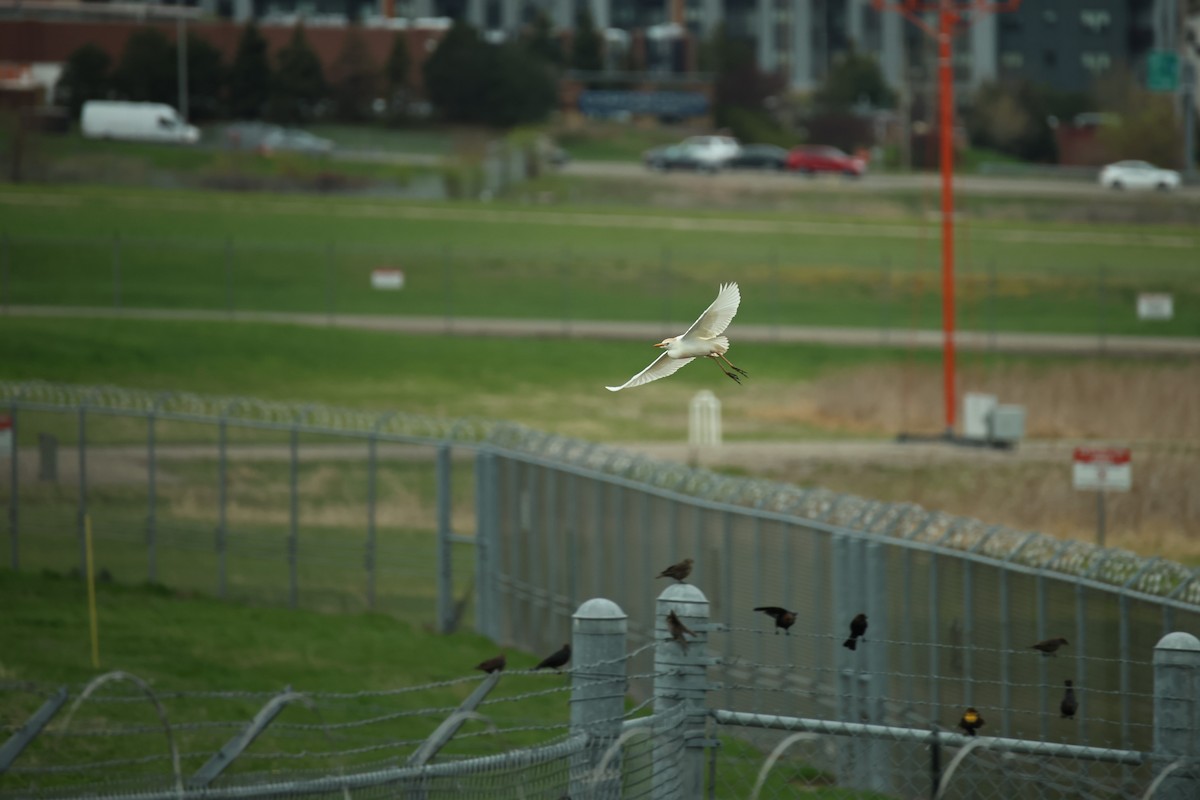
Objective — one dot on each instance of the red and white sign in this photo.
(1103, 469)
(6, 437)
(392, 279)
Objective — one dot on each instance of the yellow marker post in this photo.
(91, 586)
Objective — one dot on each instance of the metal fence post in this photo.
(680, 679)
(878, 750)
(598, 686)
(222, 503)
(844, 682)
(372, 478)
(83, 499)
(445, 596)
(5, 268)
(229, 275)
(485, 555)
(151, 501)
(1177, 716)
(116, 265)
(14, 479)
(293, 544)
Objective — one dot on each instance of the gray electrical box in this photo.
(1006, 424)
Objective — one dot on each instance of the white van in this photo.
(146, 122)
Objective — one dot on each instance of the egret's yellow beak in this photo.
(658, 344)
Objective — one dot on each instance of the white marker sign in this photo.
(1102, 469)
(390, 279)
(1155, 305)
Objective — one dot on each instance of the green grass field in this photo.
(221, 251)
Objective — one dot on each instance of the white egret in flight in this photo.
(702, 340)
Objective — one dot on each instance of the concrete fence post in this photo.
(598, 686)
(681, 679)
(1177, 716)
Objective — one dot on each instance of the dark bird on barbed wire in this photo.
(1069, 704)
(783, 618)
(493, 664)
(970, 722)
(677, 629)
(858, 630)
(678, 571)
(557, 659)
(1049, 647)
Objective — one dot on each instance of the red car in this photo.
(811, 159)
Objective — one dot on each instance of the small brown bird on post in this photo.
(783, 618)
(858, 628)
(493, 664)
(1069, 704)
(678, 571)
(557, 659)
(970, 722)
(677, 629)
(1049, 647)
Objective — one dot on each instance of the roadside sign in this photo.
(1162, 71)
(1102, 469)
(1155, 305)
(388, 279)
(6, 437)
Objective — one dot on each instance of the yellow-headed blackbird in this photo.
(1049, 646)
(970, 722)
(678, 571)
(493, 664)
(1069, 704)
(677, 629)
(858, 629)
(557, 659)
(783, 618)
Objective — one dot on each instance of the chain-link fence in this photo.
(509, 530)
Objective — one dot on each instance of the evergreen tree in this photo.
(147, 70)
(469, 80)
(395, 72)
(854, 79)
(355, 78)
(298, 83)
(540, 41)
(455, 73)
(205, 76)
(587, 51)
(85, 77)
(250, 75)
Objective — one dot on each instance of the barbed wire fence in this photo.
(530, 525)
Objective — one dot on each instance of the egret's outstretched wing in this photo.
(717, 317)
(661, 367)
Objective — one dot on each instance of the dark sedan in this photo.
(759, 156)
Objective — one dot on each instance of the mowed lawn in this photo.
(136, 248)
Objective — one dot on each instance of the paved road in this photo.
(1008, 342)
(767, 181)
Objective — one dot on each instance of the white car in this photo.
(711, 151)
(1138, 175)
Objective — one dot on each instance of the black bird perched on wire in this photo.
(783, 618)
(493, 664)
(1049, 647)
(678, 571)
(1069, 704)
(557, 659)
(970, 722)
(677, 629)
(858, 629)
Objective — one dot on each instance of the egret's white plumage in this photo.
(702, 340)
